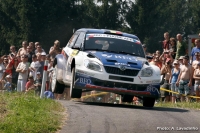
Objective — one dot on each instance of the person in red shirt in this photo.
(11, 67)
(30, 84)
(166, 42)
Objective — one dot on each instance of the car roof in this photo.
(102, 31)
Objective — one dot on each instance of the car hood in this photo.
(108, 58)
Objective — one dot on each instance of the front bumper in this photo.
(83, 81)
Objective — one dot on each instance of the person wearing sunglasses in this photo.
(38, 49)
(173, 79)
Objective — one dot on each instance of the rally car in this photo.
(109, 61)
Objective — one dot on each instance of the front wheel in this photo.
(74, 93)
(148, 102)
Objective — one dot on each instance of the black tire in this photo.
(127, 98)
(148, 102)
(74, 93)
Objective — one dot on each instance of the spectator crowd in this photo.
(22, 69)
(179, 72)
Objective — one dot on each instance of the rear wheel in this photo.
(148, 102)
(74, 93)
(127, 98)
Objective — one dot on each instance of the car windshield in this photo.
(113, 43)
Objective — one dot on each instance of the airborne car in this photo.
(109, 61)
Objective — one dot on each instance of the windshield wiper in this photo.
(96, 49)
(122, 52)
(103, 50)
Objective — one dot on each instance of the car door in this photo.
(71, 51)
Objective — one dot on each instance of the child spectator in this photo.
(22, 69)
(35, 65)
(30, 84)
(8, 84)
(38, 84)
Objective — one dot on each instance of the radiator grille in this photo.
(115, 70)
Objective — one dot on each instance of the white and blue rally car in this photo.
(109, 61)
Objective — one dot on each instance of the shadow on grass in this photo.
(132, 106)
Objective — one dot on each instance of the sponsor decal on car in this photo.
(74, 53)
(113, 36)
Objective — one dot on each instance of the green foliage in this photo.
(48, 20)
(28, 114)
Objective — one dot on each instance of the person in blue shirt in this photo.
(195, 49)
(173, 78)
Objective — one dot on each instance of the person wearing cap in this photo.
(196, 76)
(38, 84)
(8, 84)
(185, 78)
(182, 48)
(180, 60)
(173, 79)
(22, 69)
(195, 49)
(166, 71)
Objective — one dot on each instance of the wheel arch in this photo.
(73, 63)
(59, 62)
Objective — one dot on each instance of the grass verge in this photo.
(185, 105)
(26, 113)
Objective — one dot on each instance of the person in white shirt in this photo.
(35, 64)
(22, 69)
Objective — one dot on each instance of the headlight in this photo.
(147, 72)
(92, 65)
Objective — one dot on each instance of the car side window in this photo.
(72, 39)
(80, 40)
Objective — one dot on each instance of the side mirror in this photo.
(149, 57)
(77, 48)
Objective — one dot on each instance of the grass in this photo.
(26, 113)
(185, 105)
